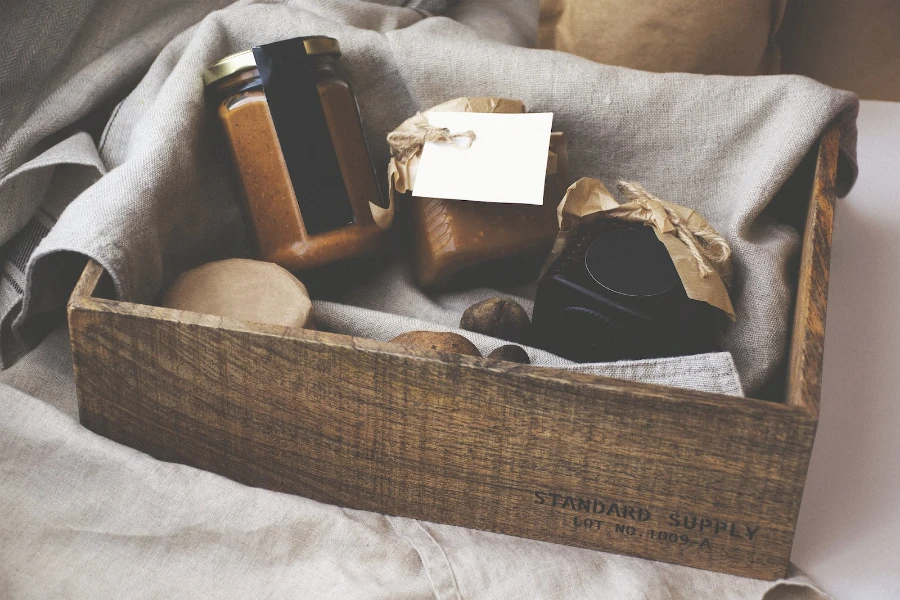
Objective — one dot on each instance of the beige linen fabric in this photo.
(845, 43)
(510, 21)
(83, 517)
(726, 37)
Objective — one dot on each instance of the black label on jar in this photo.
(290, 86)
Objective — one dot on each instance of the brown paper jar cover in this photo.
(274, 203)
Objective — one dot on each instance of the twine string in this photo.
(705, 245)
(406, 143)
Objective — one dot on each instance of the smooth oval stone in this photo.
(443, 341)
(249, 290)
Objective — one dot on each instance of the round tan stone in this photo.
(249, 290)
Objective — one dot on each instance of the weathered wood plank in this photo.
(804, 381)
(449, 438)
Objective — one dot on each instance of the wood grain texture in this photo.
(804, 381)
(693, 478)
(447, 438)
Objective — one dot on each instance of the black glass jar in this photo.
(614, 294)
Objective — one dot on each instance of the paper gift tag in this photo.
(506, 163)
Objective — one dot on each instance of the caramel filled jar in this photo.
(473, 242)
(301, 155)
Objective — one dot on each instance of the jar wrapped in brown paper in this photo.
(455, 240)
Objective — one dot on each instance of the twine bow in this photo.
(408, 142)
(706, 246)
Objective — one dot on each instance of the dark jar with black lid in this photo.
(614, 294)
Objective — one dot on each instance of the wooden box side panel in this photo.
(806, 357)
(697, 479)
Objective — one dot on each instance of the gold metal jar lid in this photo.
(241, 61)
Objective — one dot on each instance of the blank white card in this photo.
(506, 163)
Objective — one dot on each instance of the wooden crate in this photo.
(693, 478)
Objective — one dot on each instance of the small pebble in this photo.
(499, 318)
(512, 353)
(443, 341)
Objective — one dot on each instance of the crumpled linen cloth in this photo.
(150, 198)
(161, 200)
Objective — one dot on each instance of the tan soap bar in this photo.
(250, 290)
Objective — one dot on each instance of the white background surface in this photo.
(848, 535)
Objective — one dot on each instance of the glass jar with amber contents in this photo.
(298, 144)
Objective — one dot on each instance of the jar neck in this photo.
(323, 66)
(236, 83)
